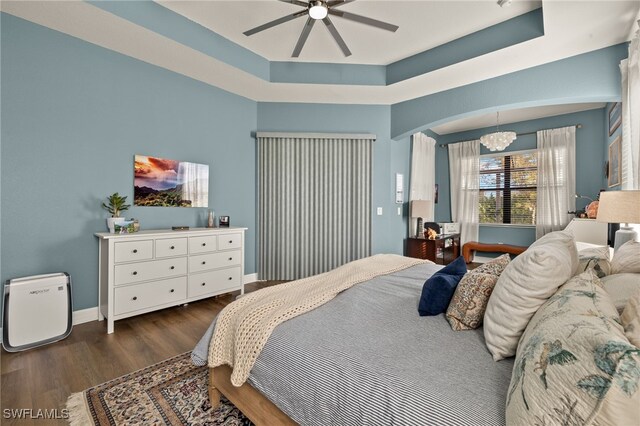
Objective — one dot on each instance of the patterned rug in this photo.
(173, 392)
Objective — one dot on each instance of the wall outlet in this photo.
(379, 211)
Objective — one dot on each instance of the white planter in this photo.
(111, 221)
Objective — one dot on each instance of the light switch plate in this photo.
(379, 211)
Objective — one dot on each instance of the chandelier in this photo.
(498, 140)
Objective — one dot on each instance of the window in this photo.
(508, 188)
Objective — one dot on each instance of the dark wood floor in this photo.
(43, 378)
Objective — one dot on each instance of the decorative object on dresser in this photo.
(151, 270)
(419, 209)
(620, 207)
(225, 222)
(117, 204)
(441, 250)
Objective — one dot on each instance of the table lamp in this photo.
(420, 209)
(620, 207)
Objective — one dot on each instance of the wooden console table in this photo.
(443, 250)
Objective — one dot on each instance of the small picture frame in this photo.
(224, 222)
(615, 172)
(615, 117)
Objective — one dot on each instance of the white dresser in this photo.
(151, 270)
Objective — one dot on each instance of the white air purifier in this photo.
(37, 310)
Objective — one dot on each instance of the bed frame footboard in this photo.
(252, 403)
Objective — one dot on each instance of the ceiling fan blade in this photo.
(338, 3)
(296, 2)
(364, 20)
(336, 35)
(303, 37)
(275, 22)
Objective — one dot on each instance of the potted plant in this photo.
(117, 204)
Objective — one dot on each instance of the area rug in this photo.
(173, 392)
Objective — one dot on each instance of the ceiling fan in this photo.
(316, 10)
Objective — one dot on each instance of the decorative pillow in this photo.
(438, 289)
(470, 299)
(596, 258)
(626, 259)
(574, 365)
(526, 283)
(621, 287)
(631, 319)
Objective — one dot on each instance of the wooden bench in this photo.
(471, 246)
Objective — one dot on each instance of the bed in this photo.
(366, 357)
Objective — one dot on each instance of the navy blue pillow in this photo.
(438, 290)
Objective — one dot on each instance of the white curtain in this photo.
(630, 73)
(464, 178)
(556, 179)
(423, 174)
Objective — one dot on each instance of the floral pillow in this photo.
(596, 258)
(467, 306)
(574, 365)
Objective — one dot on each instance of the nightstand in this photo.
(443, 250)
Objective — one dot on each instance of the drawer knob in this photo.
(230, 278)
(203, 284)
(172, 247)
(172, 290)
(230, 241)
(135, 250)
(135, 272)
(203, 262)
(204, 244)
(135, 298)
(173, 267)
(231, 258)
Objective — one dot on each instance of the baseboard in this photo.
(85, 315)
(249, 278)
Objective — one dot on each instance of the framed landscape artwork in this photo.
(615, 117)
(615, 172)
(170, 183)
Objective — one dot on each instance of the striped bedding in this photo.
(366, 357)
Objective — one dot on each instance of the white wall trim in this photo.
(85, 315)
(250, 278)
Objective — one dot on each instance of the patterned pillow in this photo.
(631, 319)
(626, 259)
(574, 365)
(596, 258)
(466, 310)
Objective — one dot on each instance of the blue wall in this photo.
(589, 166)
(73, 117)
(389, 157)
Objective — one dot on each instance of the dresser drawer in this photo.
(203, 244)
(215, 282)
(171, 247)
(153, 270)
(229, 241)
(205, 262)
(132, 251)
(147, 295)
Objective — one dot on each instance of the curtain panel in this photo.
(314, 203)
(464, 178)
(630, 78)
(556, 179)
(423, 174)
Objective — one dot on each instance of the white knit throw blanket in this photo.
(243, 327)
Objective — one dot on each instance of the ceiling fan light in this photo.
(318, 10)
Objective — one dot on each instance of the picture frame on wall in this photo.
(615, 172)
(615, 117)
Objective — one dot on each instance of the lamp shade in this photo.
(420, 208)
(619, 207)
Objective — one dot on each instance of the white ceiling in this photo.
(512, 116)
(423, 25)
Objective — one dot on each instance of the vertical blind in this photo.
(314, 203)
